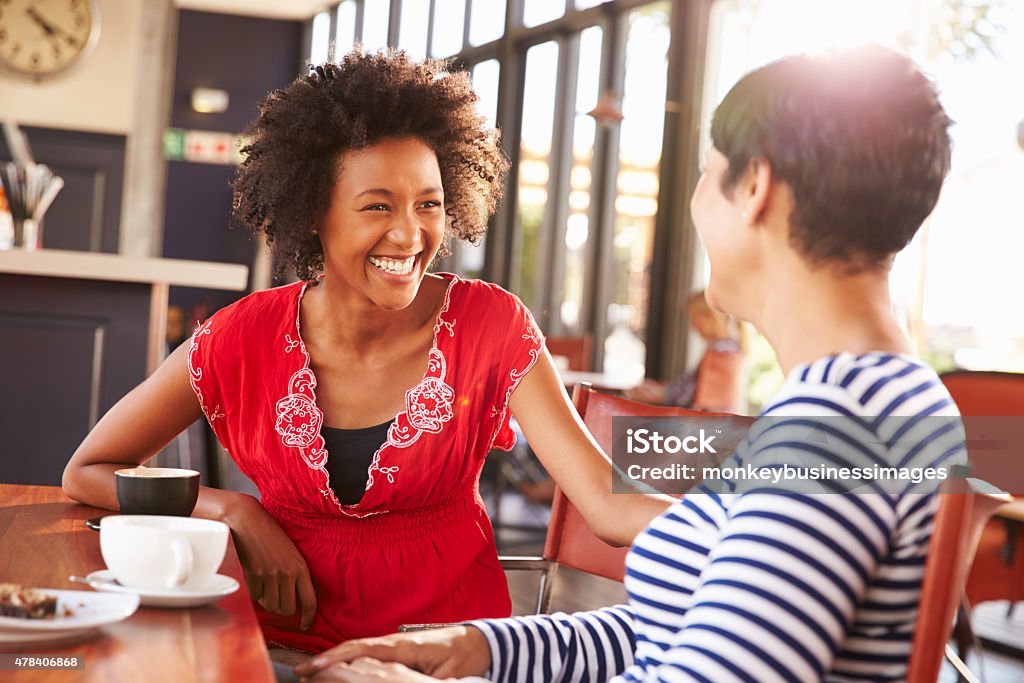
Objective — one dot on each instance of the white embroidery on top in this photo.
(531, 334)
(428, 405)
(298, 421)
(195, 374)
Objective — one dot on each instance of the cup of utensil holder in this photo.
(30, 190)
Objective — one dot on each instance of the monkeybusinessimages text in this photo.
(651, 442)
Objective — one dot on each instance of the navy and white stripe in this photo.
(761, 585)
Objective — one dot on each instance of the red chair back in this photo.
(961, 517)
(986, 393)
(578, 351)
(570, 542)
(986, 399)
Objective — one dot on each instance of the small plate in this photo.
(84, 611)
(216, 588)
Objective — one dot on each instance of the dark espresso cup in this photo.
(157, 491)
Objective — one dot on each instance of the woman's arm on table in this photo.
(133, 431)
(142, 423)
(556, 648)
(575, 461)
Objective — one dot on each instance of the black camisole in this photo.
(350, 455)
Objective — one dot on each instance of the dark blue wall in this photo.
(248, 57)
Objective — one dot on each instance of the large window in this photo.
(375, 24)
(572, 295)
(636, 201)
(468, 258)
(537, 12)
(535, 172)
(486, 21)
(449, 25)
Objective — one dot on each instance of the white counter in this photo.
(86, 265)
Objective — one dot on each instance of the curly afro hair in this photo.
(283, 187)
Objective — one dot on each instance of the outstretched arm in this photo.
(584, 647)
(575, 461)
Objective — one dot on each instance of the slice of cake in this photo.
(26, 603)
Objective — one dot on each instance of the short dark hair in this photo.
(283, 187)
(859, 136)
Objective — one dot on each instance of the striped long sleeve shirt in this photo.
(753, 583)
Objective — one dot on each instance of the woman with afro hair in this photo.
(362, 399)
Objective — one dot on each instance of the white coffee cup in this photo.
(162, 553)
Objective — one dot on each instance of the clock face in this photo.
(42, 37)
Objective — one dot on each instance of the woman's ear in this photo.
(755, 189)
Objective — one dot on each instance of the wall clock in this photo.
(39, 38)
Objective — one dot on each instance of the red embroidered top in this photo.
(418, 547)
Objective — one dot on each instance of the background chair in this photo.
(984, 397)
(578, 351)
(569, 541)
(998, 569)
(961, 517)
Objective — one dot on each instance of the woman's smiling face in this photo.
(385, 222)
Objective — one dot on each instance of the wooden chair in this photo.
(569, 541)
(984, 397)
(986, 393)
(997, 572)
(961, 517)
(577, 350)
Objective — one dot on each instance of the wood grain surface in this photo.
(44, 540)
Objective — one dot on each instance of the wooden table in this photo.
(43, 540)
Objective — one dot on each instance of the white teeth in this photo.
(402, 267)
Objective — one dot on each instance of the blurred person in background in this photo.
(718, 382)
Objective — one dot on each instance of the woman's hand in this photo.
(275, 571)
(445, 652)
(368, 670)
(648, 391)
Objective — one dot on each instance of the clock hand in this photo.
(49, 28)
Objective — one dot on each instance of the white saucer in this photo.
(213, 590)
(78, 612)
